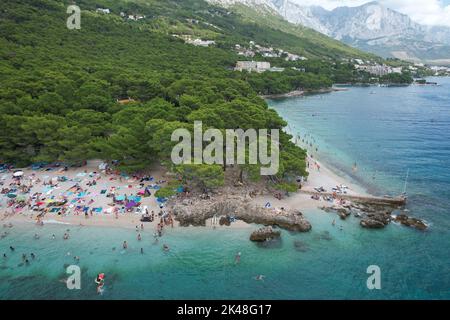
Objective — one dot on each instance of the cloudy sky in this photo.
(429, 12)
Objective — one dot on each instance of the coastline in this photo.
(299, 93)
(323, 177)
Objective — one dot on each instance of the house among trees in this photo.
(257, 66)
(104, 11)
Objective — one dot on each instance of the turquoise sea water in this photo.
(386, 131)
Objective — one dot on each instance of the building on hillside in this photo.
(294, 57)
(378, 70)
(276, 69)
(246, 53)
(250, 66)
(104, 11)
(135, 17)
(200, 42)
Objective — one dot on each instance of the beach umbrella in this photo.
(131, 204)
(18, 174)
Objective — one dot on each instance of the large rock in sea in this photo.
(264, 234)
(411, 222)
(376, 220)
(371, 224)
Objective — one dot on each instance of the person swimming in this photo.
(237, 258)
(36, 236)
(125, 245)
(166, 247)
(66, 236)
(259, 277)
(142, 250)
(100, 281)
(32, 256)
(139, 237)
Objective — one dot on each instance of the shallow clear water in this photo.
(385, 132)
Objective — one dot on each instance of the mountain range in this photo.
(371, 27)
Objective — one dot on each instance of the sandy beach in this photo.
(95, 195)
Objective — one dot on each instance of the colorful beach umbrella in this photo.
(131, 204)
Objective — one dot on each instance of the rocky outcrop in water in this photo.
(411, 222)
(375, 216)
(196, 211)
(264, 234)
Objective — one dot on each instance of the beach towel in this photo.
(98, 210)
(103, 191)
(81, 174)
(120, 198)
(54, 210)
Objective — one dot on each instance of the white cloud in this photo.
(429, 12)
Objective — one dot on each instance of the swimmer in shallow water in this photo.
(259, 277)
(125, 245)
(237, 258)
(100, 281)
(166, 247)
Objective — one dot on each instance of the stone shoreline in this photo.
(195, 211)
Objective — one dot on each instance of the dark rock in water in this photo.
(300, 246)
(270, 243)
(264, 234)
(411, 222)
(371, 224)
(343, 213)
(325, 236)
(376, 220)
(224, 221)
